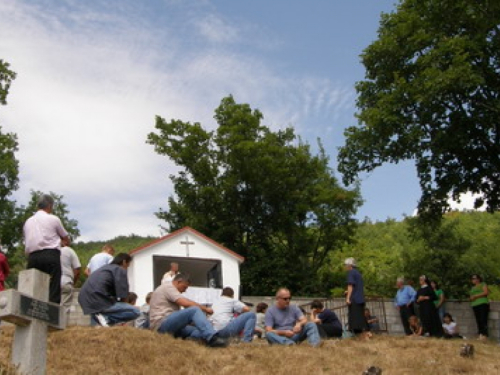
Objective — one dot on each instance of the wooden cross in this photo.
(28, 308)
(187, 243)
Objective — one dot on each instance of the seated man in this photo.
(103, 294)
(224, 321)
(166, 316)
(287, 325)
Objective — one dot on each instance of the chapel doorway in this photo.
(204, 273)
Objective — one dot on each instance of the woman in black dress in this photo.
(428, 313)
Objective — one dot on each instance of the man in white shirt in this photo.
(100, 259)
(224, 321)
(43, 236)
(70, 268)
(169, 276)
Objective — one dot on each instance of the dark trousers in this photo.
(481, 313)
(48, 261)
(329, 330)
(405, 312)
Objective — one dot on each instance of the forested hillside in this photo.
(121, 244)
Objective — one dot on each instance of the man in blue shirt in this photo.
(405, 297)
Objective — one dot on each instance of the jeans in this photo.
(244, 322)
(190, 322)
(120, 312)
(309, 331)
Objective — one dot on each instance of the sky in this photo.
(92, 75)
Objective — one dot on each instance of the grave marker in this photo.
(28, 308)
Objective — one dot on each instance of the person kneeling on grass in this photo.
(224, 321)
(166, 316)
(287, 325)
(328, 323)
(104, 294)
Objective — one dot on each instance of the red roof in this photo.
(196, 233)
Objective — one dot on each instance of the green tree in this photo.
(6, 78)
(258, 192)
(9, 166)
(432, 94)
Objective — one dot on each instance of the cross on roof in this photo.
(187, 243)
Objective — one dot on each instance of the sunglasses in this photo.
(285, 298)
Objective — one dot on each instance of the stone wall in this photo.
(461, 312)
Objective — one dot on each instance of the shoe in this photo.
(217, 342)
(101, 320)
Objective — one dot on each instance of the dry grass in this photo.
(125, 350)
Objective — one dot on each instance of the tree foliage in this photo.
(9, 165)
(6, 78)
(432, 94)
(258, 192)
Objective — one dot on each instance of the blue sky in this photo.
(92, 75)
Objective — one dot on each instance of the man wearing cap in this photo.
(355, 299)
(287, 325)
(43, 236)
(404, 300)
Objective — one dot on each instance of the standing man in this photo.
(70, 268)
(355, 299)
(169, 276)
(404, 300)
(4, 269)
(43, 236)
(224, 321)
(166, 315)
(100, 259)
(104, 293)
(287, 325)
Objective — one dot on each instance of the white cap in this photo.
(350, 262)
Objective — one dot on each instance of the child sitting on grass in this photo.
(415, 326)
(450, 328)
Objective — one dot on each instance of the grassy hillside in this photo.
(125, 350)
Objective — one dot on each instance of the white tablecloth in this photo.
(204, 296)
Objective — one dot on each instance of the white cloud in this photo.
(90, 82)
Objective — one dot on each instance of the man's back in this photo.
(224, 309)
(43, 231)
(163, 303)
(99, 260)
(102, 288)
(69, 262)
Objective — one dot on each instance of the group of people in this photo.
(422, 312)
(105, 296)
